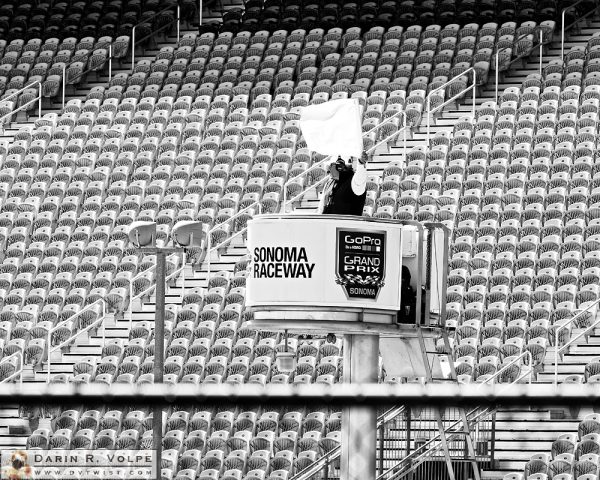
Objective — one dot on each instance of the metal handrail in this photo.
(210, 248)
(10, 114)
(85, 72)
(421, 452)
(336, 452)
(526, 353)
(557, 349)
(562, 23)
(497, 55)
(142, 293)
(19, 371)
(133, 41)
(449, 82)
(76, 334)
(297, 177)
(308, 189)
(478, 415)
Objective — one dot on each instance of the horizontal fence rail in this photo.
(373, 394)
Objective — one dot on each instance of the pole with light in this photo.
(142, 235)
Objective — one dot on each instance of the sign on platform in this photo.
(360, 262)
(327, 260)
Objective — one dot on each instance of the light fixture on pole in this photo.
(286, 360)
(143, 236)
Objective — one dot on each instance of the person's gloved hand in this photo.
(364, 158)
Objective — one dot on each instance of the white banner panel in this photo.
(323, 261)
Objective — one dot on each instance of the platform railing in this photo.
(430, 111)
(559, 349)
(99, 321)
(16, 94)
(19, 370)
(563, 28)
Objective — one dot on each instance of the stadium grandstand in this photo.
(483, 117)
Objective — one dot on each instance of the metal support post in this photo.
(159, 352)
(562, 33)
(40, 103)
(359, 422)
(199, 14)
(109, 63)
(178, 21)
(132, 49)
(64, 85)
(541, 49)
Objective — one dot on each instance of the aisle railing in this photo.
(559, 349)
(429, 111)
(25, 105)
(573, 23)
(19, 368)
(98, 321)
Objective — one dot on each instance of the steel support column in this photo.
(159, 353)
(359, 422)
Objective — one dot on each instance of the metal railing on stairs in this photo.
(433, 445)
(514, 361)
(429, 111)
(98, 321)
(541, 43)
(147, 290)
(560, 349)
(25, 105)
(563, 28)
(336, 452)
(19, 368)
(426, 450)
(134, 41)
(51, 349)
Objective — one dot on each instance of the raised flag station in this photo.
(328, 274)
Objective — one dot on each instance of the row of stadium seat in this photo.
(273, 15)
(574, 456)
(275, 443)
(82, 18)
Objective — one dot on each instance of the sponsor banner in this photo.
(323, 261)
(360, 262)
(83, 464)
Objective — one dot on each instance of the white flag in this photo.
(333, 128)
